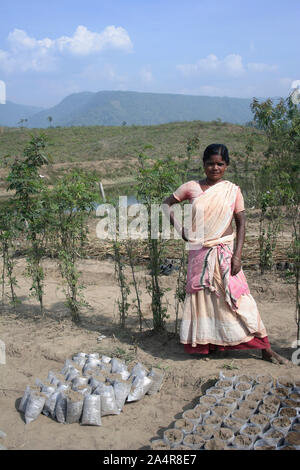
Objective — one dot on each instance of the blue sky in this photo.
(238, 48)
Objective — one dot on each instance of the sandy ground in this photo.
(35, 346)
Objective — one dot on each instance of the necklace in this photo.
(206, 182)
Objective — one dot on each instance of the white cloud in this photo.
(246, 88)
(231, 65)
(260, 67)
(6, 61)
(85, 42)
(146, 74)
(20, 41)
(28, 53)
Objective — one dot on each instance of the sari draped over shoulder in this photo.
(218, 308)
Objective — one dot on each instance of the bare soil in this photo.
(215, 444)
(227, 402)
(34, 346)
(184, 424)
(221, 411)
(241, 414)
(271, 400)
(282, 422)
(289, 412)
(274, 434)
(159, 444)
(207, 400)
(194, 439)
(224, 434)
(174, 435)
(260, 419)
(243, 387)
(236, 394)
(281, 392)
(192, 414)
(263, 379)
(201, 409)
(285, 382)
(233, 424)
(205, 430)
(265, 447)
(251, 430)
(213, 420)
(245, 378)
(268, 409)
(248, 406)
(242, 441)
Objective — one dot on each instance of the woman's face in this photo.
(215, 168)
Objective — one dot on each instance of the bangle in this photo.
(237, 257)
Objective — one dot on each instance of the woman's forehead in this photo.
(215, 158)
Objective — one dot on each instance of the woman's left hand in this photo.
(236, 265)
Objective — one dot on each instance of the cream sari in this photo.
(218, 307)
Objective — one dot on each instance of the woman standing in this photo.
(219, 312)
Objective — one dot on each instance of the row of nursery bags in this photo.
(104, 387)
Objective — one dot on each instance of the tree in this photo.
(70, 204)
(31, 208)
(21, 122)
(50, 119)
(278, 180)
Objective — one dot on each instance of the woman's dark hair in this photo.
(216, 149)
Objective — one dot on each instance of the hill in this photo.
(114, 108)
(11, 113)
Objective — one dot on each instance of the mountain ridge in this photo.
(11, 113)
(116, 108)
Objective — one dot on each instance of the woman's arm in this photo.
(236, 262)
(168, 202)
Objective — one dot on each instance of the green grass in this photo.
(112, 152)
(93, 143)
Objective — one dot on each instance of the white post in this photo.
(102, 191)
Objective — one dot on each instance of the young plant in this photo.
(184, 161)
(123, 304)
(9, 232)
(294, 256)
(129, 245)
(25, 180)
(154, 183)
(72, 200)
(270, 222)
(180, 292)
